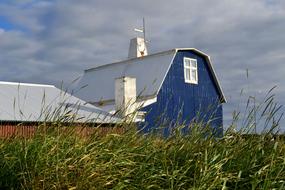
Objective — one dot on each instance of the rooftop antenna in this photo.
(142, 30)
(138, 45)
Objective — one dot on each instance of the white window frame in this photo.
(189, 69)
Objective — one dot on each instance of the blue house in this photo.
(178, 85)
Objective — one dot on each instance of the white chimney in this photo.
(137, 48)
(125, 97)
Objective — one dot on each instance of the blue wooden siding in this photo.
(180, 102)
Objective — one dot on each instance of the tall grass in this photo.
(133, 161)
(198, 160)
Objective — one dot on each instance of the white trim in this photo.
(156, 93)
(216, 78)
(110, 108)
(144, 103)
(208, 59)
(189, 69)
(26, 84)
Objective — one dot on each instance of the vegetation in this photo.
(132, 160)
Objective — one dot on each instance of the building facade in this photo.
(174, 86)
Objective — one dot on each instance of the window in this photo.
(190, 70)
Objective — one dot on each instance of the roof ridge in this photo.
(129, 60)
(147, 56)
(26, 84)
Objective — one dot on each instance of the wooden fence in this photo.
(28, 130)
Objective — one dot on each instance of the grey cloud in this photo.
(66, 37)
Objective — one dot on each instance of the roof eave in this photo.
(208, 59)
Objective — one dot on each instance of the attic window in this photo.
(190, 70)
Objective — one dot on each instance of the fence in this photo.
(28, 130)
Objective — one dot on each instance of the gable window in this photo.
(190, 70)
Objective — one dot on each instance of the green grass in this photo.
(134, 161)
(198, 160)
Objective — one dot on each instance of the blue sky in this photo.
(6, 24)
(44, 41)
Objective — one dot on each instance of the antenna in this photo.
(138, 45)
(142, 30)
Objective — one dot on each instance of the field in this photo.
(135, 161)
(132, 160)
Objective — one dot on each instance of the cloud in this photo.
(57, 40)
(2, 31)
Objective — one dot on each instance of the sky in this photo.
(53, 41)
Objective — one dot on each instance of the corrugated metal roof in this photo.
(97, 84)
(34, 102)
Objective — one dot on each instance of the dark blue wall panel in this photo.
(179, 102)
